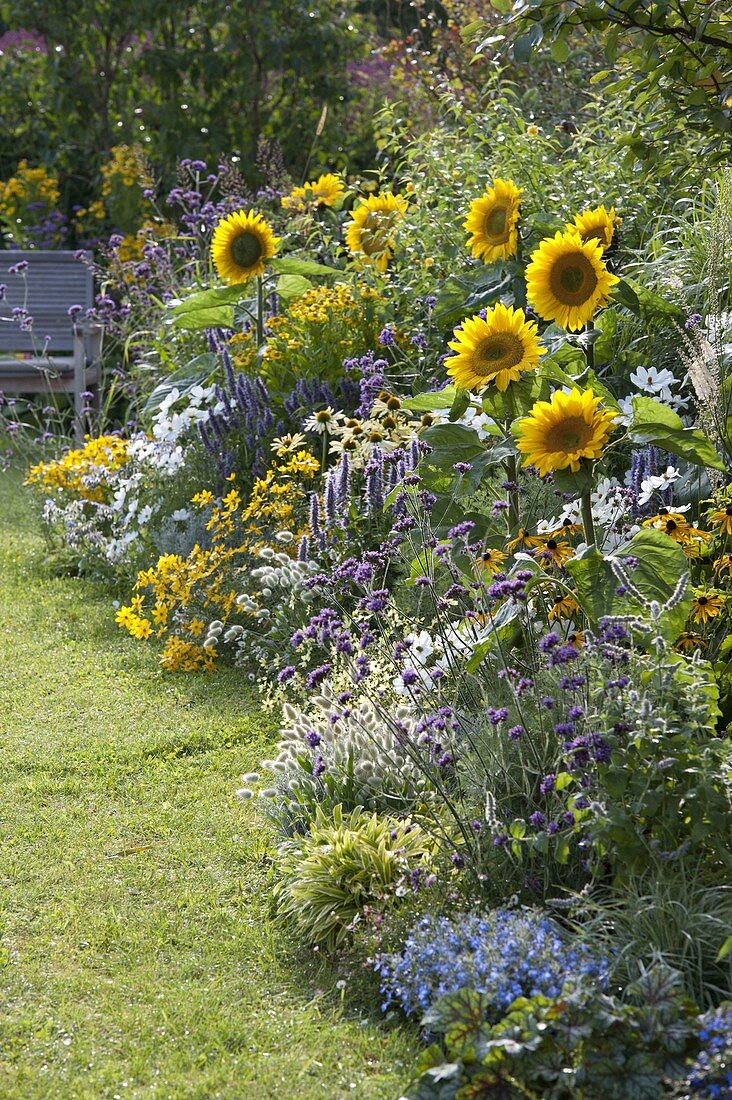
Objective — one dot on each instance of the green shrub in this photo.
(343, 864)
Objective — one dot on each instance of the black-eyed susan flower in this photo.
(567, 281)
(673, 524)
(723, 566)
(688, 642)
(564, 607)
(559, 433)
(706, 606)
(494, 351)
(521, 541)
(492, 220)
(595, 225)
(723, 520)
(491, 561)
(553, 552)
(370, 235)
(241, 245)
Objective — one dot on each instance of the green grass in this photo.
(139, 958)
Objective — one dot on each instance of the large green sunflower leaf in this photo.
(291, 265)
(654, 422)
(212, 308)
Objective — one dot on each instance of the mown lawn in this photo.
(138, 956)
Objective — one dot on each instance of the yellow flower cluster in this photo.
(81, 472)
(28, 185)
(176, 597)
(126, 166)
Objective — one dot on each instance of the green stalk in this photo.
(587, 522)
(260, 311)
(513, 504)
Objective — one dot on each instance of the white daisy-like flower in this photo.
(652, 380)
(324, 420)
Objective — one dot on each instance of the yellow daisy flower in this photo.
(370, 236)
(706, 606)
(673, 524)
(492, 220)
(564, 607)
(595, 225)
(241, 245)
(497, 349)
(559, 433)
(723, 520)
(567, 281)
(491, 561)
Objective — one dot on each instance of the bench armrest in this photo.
(89, 336)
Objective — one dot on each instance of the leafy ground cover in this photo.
(138, 958)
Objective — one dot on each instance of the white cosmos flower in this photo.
(652, 380)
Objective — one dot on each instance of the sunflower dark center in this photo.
(551, 545)
(671, 525)
(375, 232)
(573, 279)
(495, 224)
(570, 435)
(246, 250)
(703, 600)
(497, 352)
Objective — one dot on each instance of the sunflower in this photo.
(567, 281)
(496, 349)
(561, 432)
(324, 191)
(242, 244)
(370, 236)
(723, 520)
(492, 222)
(706, 606)
(595, 225)
(564, 607)
(491, 561)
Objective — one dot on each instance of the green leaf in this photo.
(656, 423)
(207, 308)
(290, 287)
(465, 294)
(429, 402)
(643, 302)
(290, 265)
(451, 443)
(724, 950)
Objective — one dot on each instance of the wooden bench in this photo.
(59, 354)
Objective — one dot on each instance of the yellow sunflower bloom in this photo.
(241, 245)
(706, 606)
(567, 282)
(595, 225)
(491, 561)
(559, 433)
(497, 349)
(324, 191)
(492, 220)
(370, 236)
(723, 520)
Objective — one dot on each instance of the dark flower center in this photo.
(246, 249)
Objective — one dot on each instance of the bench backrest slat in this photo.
(52, 282)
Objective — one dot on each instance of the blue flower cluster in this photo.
(710, 1076)
(505, 954)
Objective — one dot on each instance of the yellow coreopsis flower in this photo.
(492, 220)
(559, 433)
(567, 281)
(241, 245)
(496, 350)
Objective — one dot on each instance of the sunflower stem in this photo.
(513, 502)
(590, 346)
(260, 311)
(587, 521)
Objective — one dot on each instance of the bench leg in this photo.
(79, 384)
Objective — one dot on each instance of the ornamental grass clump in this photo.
(507, 953)
(344, 863)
